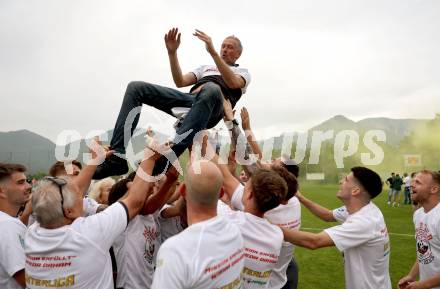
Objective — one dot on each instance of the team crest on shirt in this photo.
(150, 234)
(423, 237)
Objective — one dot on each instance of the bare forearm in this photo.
(431, 282)
(306, 239)
(175, 69)
(414, 272)
(139, 189)
(84, 178)
(253, 143)
(317, 210)
(157, 200)
(235, 133)
(231, 79)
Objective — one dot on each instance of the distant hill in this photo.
(28, 148)
(38, 152)
(395, 129)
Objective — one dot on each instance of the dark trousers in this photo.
(407, 192)
(206, 111)
(292, 275)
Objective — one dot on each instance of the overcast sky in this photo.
(65, 64)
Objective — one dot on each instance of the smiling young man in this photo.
(211, 83)
(426, 191)
(14, 193)
(362, 236)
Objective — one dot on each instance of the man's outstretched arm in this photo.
(316, 209)
(172, 42)
(308, 240)
(231, 79)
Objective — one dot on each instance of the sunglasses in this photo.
(60, 183)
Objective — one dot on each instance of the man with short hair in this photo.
(209, 253)
(362, 236)
(72, 169)
(426, 192)
(211, 83)
(59, 168)
(390, 182)
(264, 191)
(62, 248)
(14, 193)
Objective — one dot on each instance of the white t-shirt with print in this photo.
(428, 241)
(286, 216)
(12, 258)
(207, 70)
(206, 255)
(75, 255)
(134, 251)
(262, 241)
(363, 238)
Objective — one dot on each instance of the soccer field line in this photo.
(389, 233)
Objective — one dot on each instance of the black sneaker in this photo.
(112, 166)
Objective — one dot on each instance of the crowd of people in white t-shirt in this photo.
(213, 229)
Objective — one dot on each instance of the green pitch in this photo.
(323, 268)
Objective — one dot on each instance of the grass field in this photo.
(323, 268)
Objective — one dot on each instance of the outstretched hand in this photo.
(172, 40)
(98, 151)
(155, 150)
(205, 38)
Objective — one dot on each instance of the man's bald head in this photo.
(203, 186)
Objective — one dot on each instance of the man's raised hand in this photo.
(172, 40)
(98, 151)
(205, 38)
(245, 121)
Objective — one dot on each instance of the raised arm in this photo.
(172, 43)
(142, 185)
(98, 153)
(235, 132)
(316, 209)
(230, 183)
(231, 79)
(246, 125)
(157, 200)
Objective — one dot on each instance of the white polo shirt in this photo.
(207, 70)
(205, 255)
(428, 241)
(12, 258)
(363, 238)
(76, 255)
